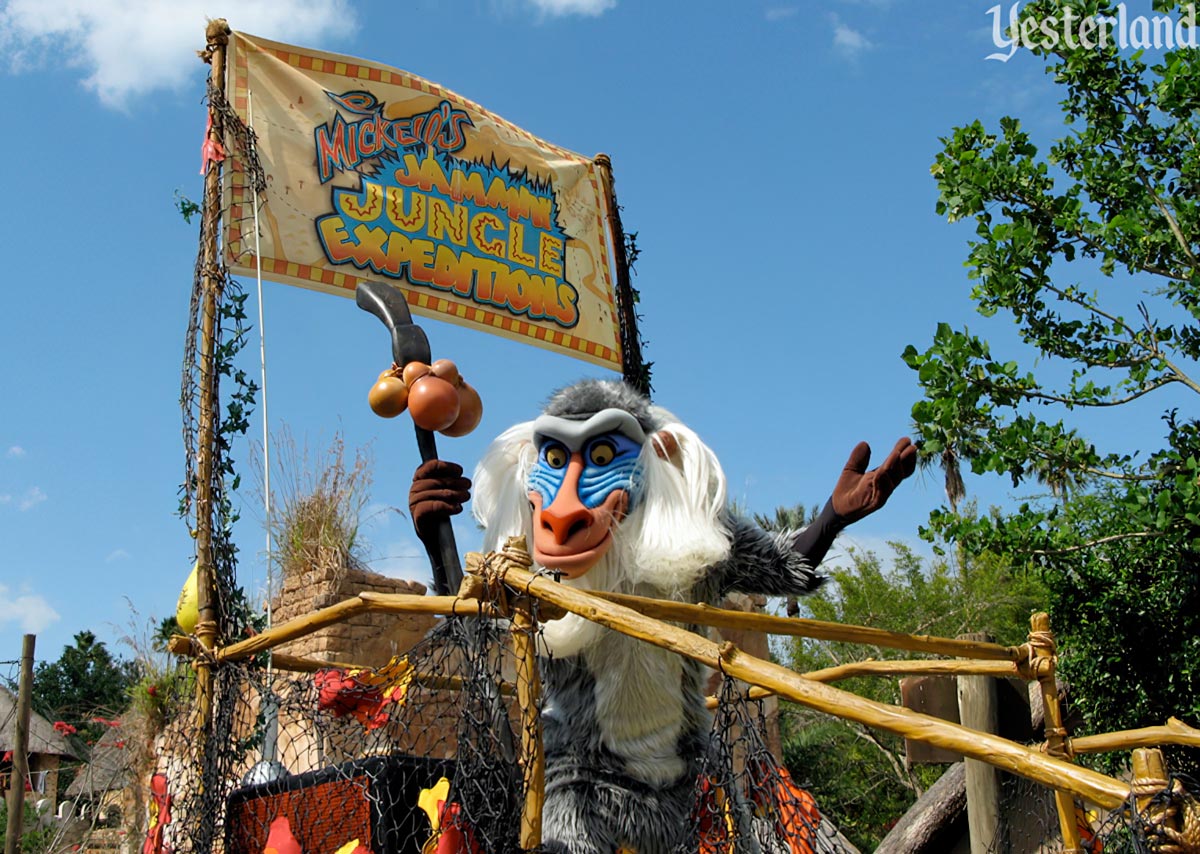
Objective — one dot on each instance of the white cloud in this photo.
(15, 452)
(560, 8)
(127, 48)
(5, 498)
(32, 498)
(30, 612)
(117, 554)
(779, 13)
(848, 41)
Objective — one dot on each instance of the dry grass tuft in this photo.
(317, 499)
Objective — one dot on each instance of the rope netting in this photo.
(389, 758)
(1166, 821)
(426, 753)
(745, 800)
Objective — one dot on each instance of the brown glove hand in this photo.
(860, 492)
(438, 492)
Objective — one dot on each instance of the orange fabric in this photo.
(160, 815)
(715, 822)
(280, 839)
(795, 810)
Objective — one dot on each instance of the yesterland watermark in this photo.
(1140, 32)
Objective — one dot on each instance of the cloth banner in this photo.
(373, 173)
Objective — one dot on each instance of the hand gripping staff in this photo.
(409, 344)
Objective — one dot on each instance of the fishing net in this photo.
(1166, 820)
(410, 756)
(745, 800)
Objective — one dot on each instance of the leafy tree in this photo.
(35, 837)
(1090, 246)
(858, 775)
(85, 683)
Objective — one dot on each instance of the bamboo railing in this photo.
(652, 621)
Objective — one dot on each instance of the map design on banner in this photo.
(376, 174)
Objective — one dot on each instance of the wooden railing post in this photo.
(523, 632)
(20, 752)
(1161, 815)
(977, 710)
(1043, 662)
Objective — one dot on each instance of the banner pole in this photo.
(634, 371)
(216, 41)
(271, 709)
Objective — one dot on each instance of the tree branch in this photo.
(1139, 116)
(906, 779)
(1068, 401)
(1132, 535)
(1116, 475)
(1154, 270)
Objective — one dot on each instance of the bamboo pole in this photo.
(445, 606)
(300, 664)
(707, 615)
(632, 368)
(216, 40)
(400, 603)
(523, 630)
(1048, 771)
(20, 751)
(436, 681)
(391, 603)
(998, 669)
(1043, 665)
(1174, 732)
(1150, 780)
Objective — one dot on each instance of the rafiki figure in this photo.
(615, 494)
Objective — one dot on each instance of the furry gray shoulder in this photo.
(764, 562)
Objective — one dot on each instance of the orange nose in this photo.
(566, 515)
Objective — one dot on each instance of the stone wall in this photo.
(367, 639)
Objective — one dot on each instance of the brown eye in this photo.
(557, 457)
(601, 453)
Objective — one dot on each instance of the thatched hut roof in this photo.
(109, 768)
(43, 738)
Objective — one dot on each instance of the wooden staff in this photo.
(1043, 663)
(1051, 772)
(212, 284)
(632, 368)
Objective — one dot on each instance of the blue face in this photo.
(610, 461)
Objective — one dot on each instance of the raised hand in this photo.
(859, 492)
(438, 491)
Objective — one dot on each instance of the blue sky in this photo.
(773, 158)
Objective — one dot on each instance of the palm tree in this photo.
(788, 519)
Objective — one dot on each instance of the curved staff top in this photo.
(410, 344)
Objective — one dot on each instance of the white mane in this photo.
(674, 532)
